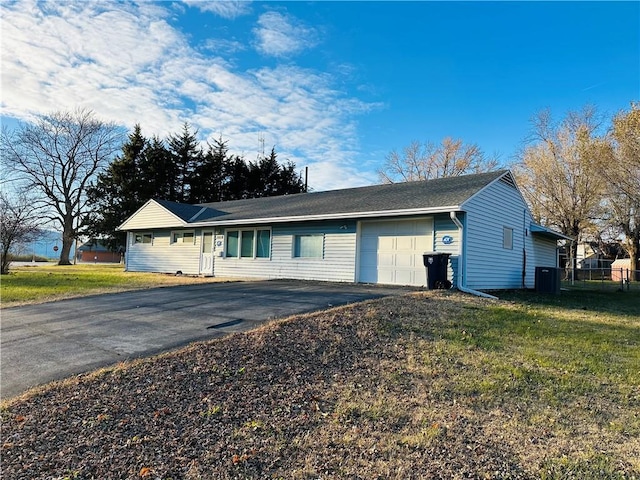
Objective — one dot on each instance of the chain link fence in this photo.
(612, 279)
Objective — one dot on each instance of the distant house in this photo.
(375, 234)
(596, 255)
(97, 252)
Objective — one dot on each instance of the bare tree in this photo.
(451, 158)
(558, 173)
(621, 168)
(18, 225)
(625, 171)
(57, 157)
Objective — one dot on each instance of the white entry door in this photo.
(206, 254)
(391, 251)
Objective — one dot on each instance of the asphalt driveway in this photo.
(52, 341)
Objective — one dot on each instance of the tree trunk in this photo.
(634, 255)
(632, 247)
(65, 251)
(68, 237)
(5, 261)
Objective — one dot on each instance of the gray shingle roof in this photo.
(430, 194)
(184, 211)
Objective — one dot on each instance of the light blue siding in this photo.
(544, 253)
(444, 227)
(488, 264)
(337, 263)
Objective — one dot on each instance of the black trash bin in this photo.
(437, 264)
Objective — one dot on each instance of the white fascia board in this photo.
(337, 216)
(181, 223)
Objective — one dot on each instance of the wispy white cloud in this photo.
(281, 35)
(223, 8)
(128, 64)
(223, 46)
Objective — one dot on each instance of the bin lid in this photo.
(435, 253)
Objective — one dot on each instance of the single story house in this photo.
(97, 252)
(375, 234)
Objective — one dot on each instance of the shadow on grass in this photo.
(531, 346)
(610, 302)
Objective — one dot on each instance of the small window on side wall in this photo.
(186, 238)
(507, 238)
(146, 237)
(308, 246)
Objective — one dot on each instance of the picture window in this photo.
(255, 243)
(308, 246)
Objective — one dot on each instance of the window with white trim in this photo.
(507, 238)
(143, 237)
(186, 238)
(253, 243)
(308, 246)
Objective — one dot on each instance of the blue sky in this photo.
(335, 86)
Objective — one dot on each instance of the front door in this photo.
(206, 254)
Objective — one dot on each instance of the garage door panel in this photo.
(386, 243)
(385, 276)
(406, 243)
(403, 260)
(404, 277)
(386, 259)
(391, 252)
(383, 228)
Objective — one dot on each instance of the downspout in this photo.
(462, 262)
(126, 252)
(524, 248)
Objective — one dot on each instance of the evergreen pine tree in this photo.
(158, 173)
(210, 174)
(238, 179)
(117, 192)
(186, 154)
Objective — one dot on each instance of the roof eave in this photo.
(336, 216)
(547, 232)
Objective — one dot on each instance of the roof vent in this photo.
(507, 179)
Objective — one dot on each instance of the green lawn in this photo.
(52, 282)
(562, 371)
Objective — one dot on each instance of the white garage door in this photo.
(391, 251)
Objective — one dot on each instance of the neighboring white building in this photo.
(375, 234)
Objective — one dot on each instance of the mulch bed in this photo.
(304, 398)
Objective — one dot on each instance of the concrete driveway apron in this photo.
(55, 340)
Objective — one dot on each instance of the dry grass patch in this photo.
(27, 285)
(430, 385)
